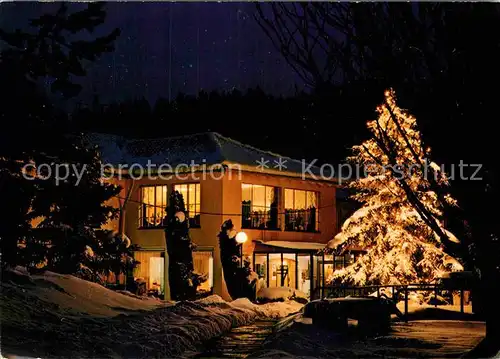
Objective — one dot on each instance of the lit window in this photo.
(151, 269)
(260, 267)
(301, 210)
(191, 194)
(152, 209)
(339, 262)
(203, 263)
(259, 206)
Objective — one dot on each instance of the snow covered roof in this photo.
(288, 246)
(207, 148)
(296, 245)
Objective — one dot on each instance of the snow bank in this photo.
(436, 300)
(273, 310)
(78, 295)
(275, 293)
(60, 316)
(281, 294)
(213, 299)
(295, 245)
(42, 330)
(413, 297)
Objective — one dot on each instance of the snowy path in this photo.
(421, 338)
(239, 342)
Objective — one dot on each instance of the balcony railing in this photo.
(301, 220)
(154, 221)
(260, 219)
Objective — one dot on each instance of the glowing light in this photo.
(241, 237)
(180, 217)
(388, 226)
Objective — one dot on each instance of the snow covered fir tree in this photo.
(403, 194)
(54, 219)
(182, 278)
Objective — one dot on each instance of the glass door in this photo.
(289, 269)
(304, 274)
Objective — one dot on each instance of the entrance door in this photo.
(289, 270)
(304, 274)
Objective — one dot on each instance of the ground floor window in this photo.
(151, 270)
(275, 270)
(291, 270)
(303, 271)
(203, 261)
(290, 267)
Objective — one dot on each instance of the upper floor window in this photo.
(301, 210)
(259, 206)
(191, 194)
(153, 207)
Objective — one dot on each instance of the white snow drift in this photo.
(55, 315)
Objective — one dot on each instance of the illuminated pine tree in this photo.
(403, 194)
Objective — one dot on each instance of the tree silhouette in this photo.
(182, 279)
(442, 61)
(50, 52)
(69, 211)
(240, 283)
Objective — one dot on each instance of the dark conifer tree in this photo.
(182, 279)
(69, 211)
(236, 275)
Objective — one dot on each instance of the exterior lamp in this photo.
(241, 238)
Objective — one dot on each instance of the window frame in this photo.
(317, 221)
(212, 252)
(297, 253)
(142, 205)
(277, 191)
(192, 223)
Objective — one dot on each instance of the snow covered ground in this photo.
(75, 294)
(280, 294)
(436, 338)
(55, 315)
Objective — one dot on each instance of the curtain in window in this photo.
(259, 206)
(150, 269)
(153, 205)
(191, 194)
(203, 264)
(301, 210)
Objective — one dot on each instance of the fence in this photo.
(392, 292)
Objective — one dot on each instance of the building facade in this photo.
(288, 212)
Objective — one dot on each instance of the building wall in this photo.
(204, 237)
(221, 200)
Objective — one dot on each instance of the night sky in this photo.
(214, 46)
